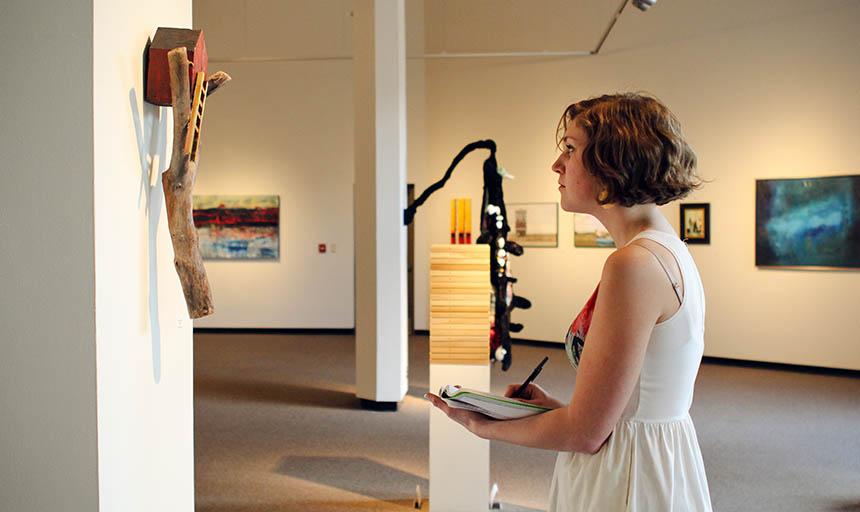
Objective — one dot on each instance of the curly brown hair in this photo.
(635, 149)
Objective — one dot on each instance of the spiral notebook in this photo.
(494, 406)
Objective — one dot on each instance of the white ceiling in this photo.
(313, 29)
(569, 25)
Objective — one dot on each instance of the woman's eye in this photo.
(568, 148)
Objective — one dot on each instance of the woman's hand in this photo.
(473, 421)
(534, 394)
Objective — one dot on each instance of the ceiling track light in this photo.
(642, 5)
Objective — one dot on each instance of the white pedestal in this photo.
(459, 354)
(459, 460)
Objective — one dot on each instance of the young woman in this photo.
(626, 440)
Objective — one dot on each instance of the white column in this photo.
(380, 197)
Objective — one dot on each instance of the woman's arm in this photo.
(624, 315)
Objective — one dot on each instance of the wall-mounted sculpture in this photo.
(169, 69)
(494, 231)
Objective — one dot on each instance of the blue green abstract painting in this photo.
(808, 222)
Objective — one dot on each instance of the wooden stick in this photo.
(215, 81)
(178, 182)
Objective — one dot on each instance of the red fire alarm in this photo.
(157, 70)
(321, 248)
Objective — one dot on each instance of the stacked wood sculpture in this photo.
(459, 304)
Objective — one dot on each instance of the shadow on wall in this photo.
(150, 130)
(357, 475)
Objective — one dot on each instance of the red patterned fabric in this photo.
(574, 342)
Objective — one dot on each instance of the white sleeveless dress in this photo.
(651, 461)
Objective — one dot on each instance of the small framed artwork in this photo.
(533, 224)
(806, 223)
(696, 223)
(590, 232)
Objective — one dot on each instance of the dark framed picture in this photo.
(808, 222)
(696, 223)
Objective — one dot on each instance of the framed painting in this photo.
(696, 223)
(589, 232)
(238, 227)
(808, 222)
(534, 224)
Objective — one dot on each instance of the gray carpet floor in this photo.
(277, 427)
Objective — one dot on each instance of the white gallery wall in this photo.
(96, 372)
(762, 90)
(284, 126)
(143, 333)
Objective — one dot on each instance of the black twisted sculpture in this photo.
(494, 232)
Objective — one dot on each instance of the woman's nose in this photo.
(557, 167)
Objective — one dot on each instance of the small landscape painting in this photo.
(534, 224)
(238, 227)
(589, 232)
(808, 222)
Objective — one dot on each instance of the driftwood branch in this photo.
(215, 81)
(178, 182)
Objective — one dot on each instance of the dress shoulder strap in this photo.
(676, 286)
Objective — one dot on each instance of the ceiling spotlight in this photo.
(643, 5)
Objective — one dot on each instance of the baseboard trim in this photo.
(537, 343)
(725, 361)
(765, 365)
(262, 330)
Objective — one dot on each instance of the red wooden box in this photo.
(158, 74)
